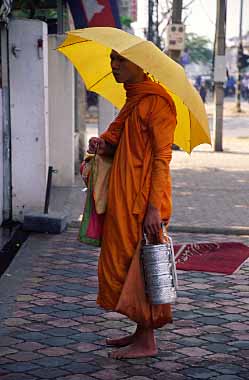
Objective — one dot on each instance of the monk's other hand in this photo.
(96, 145)
(152, 221)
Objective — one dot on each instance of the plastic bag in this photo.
(91, 227)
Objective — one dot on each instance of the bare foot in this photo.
(134, 350)
(120, 342)
(143, 344)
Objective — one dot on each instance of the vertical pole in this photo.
(240, 51)
(48, 189)
(153, 24)
(7, 183)
(175, 54)
(60, 17)
(176, 19)
(157, 40)
(150, 20)
(219, 83)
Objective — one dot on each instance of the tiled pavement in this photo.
(52, 329)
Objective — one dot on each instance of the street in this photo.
(235, 125)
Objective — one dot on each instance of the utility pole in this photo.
(60, 16)
(239, 54)
(150, 20)
(173, 53)
(153, 24)
(219, 73)
(176, 19)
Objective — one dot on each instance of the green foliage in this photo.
(198, 48)
(126, 21)
(40, 9)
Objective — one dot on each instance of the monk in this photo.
(139, 199)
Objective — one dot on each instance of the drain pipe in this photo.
(7, 183)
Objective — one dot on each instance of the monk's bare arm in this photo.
(161, 124)
(152, 220)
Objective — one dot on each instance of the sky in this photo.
(202, 17)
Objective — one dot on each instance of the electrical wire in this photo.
(206, 13)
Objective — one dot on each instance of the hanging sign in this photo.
(176, 37)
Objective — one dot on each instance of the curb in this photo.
(74, 224)
(194, 229)
(209, 230)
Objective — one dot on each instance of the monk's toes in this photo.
(120, 354)
(131, 354)
(114, 355)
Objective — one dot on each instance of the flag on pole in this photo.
(89, 13)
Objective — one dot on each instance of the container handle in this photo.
(165, 235)
(172, 255)
(173, 263)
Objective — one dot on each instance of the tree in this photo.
(126, 21)
(40, 9)
(198, 48)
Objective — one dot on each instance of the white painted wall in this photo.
(29, 115)
(107, 113)
(1, 158)
(61, 114)
(141, 24)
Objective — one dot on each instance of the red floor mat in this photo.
(224, 258)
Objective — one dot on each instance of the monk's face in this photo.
(125, 71)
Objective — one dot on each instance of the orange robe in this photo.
(143, 133)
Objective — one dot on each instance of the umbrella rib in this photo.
(74, 43)
(100, 80)
(80, 42)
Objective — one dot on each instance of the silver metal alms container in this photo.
(158, 263)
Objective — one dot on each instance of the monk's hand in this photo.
(152, 221)
(96, 145)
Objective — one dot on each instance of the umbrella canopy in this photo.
(89, 50)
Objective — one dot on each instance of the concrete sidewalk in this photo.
(51, 327)
(210, 190)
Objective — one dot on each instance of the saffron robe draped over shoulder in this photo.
(143, 133)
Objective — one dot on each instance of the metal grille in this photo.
(5, 9)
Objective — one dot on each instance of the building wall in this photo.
(107, 114)
(141, 24)
(128, 8)
(1, 158)
(29, 114)
(62, 139)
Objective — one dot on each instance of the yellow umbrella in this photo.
(89, 50)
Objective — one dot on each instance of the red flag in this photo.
(89, 13)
